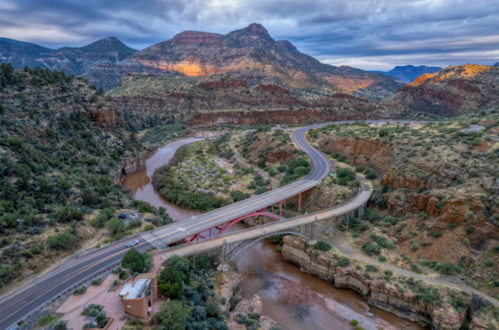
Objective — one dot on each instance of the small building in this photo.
(137, 296)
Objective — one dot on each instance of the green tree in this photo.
(62, 241)
(171, 316)
(170, 290)
(133, 260)
(115, 226)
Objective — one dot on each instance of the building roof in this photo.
(136, 289)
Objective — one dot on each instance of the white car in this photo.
(132, 243)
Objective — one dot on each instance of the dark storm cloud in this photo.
(371, 34)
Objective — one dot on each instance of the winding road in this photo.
(14, 306)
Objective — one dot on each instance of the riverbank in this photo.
(442, 307)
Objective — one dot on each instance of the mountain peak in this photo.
(109, 44)
(196, 37)
(256, 28)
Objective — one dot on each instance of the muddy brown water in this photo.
(297, 301)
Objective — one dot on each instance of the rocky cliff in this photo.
(251, 52)
(453, 91)
(145, 100)
(396, 295)
(291, 117)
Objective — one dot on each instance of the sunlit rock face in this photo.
(453, 91)
(252, 53)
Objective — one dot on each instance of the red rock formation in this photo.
(273, 89)
(220, 118)
(223, 84)
(451, 91)
(107, 117)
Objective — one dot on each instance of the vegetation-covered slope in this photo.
(56, 164)
(437, 206)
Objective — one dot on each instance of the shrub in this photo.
(371, 268)
(62, 241)
(354, 322)
(115, 226)
(383, 132)
(81, 290)
(371, 249)
(343, 262)
(323, 246)
(135, 223)
(97, 281)
(370, 174)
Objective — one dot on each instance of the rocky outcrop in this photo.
(223, 84)
(131, 165)
(452, 91)
(227, 284)
(222, 118)
(107, 117)
(273, 89)
(250, 309)
(377, 291)
(369, 152)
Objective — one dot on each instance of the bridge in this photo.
(305, 226)
(29, 299)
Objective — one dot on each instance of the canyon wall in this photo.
(288, 117)
(377, 291)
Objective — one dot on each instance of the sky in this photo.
(367, 34)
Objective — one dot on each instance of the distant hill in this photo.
(103, 62)
(453, 91)
(408, 73)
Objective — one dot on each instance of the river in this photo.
(296, 300)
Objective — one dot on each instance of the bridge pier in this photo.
(299, 202)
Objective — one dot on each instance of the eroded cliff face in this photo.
(449, 92)
(292, 117)
(369, 152)
(251, 52)
(384, 294)
(184, 99)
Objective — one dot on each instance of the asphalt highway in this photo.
(21, 302)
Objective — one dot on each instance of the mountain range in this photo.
(103, 62)
(408, 73)
(249, 53)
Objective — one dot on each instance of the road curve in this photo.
(19, 303)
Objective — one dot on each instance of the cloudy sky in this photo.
(368, 34)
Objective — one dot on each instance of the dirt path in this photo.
(240, 159)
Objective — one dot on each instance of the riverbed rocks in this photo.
(386, 294)
(250, 312)
(227, 284)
